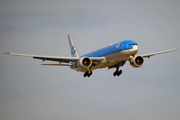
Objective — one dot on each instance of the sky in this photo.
(29, 91)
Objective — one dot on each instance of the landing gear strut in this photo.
(88, 73)
(117, 72)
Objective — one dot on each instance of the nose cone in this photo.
(135, 49)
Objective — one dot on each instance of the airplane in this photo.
(112, 56)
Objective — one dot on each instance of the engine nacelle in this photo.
(137, 61)
(84, 62)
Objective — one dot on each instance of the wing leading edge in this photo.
(49, 58)
(60, 59)
(152, 54)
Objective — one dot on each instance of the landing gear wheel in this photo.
(117, 73)
(88, 73)
(84, 74)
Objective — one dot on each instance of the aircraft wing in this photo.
(152, 54)
(49, 58)
(56, 58)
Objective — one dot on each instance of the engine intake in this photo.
(137, 61)
(84, 62)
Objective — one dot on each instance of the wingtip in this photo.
(174, 49)
(6, 53)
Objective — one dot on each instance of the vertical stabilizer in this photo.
(74, 52)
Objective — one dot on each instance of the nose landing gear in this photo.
(117, 72)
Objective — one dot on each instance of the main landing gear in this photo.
(117, 72)
(88, 73)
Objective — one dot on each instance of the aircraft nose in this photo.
(135, 49)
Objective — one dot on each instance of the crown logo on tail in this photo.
(73, 51)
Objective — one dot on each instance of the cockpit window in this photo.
(133, 44)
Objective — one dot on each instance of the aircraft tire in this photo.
(115, 73)
(119, 73)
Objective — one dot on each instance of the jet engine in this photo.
(137, 61)
(84, 62)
